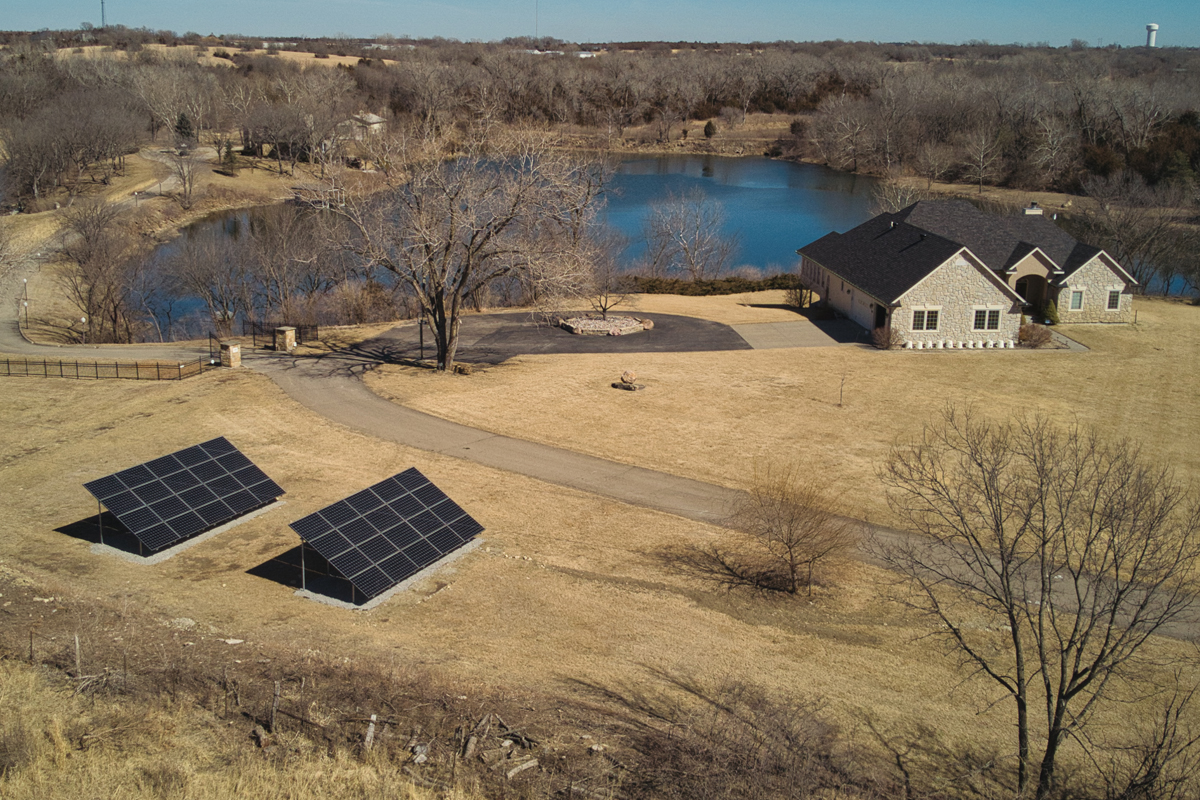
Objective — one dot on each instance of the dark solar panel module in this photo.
(176, 496)
(388, 532)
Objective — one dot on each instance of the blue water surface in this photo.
(771, 207)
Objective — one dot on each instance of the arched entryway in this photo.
(1033, 289)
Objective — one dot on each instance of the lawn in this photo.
(570, 593)
(835, 411)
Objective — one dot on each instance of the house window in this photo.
(1114, 299)
(925, 321)
(987, 319)
(1076, 300)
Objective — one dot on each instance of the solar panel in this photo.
(176, 496)
(388, 532)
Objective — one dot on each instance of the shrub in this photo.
(797, 296)
(1034, 335)
(1051, 312)
(710, 129)
(887, 338)
(733, 285)
(222, 54)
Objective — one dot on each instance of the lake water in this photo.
(772, 207)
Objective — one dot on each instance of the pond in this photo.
(771, 207)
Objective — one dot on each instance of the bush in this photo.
(710, 129)
(1034, 335)
(887, 338)
(797, 296)
(1051, 312)
(222, 54)
(732, 285)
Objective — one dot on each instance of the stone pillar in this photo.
(231, 354)
(285, 339)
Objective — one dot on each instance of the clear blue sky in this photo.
(1055, 21)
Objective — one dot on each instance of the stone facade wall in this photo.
(956, 289)
(1095, 279)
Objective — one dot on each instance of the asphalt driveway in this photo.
(493, 338)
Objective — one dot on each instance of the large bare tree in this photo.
(1049, 559)
(448, 227)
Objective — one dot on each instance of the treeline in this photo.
(1026, 117)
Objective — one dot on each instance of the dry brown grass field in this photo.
(134, 752)
(569, 590)
(712, 416)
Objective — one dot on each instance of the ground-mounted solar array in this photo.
(388, 532)
(172, 498)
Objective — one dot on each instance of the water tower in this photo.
(1151, 32)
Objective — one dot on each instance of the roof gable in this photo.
(999, 241)
(987, 274)
(883, 257)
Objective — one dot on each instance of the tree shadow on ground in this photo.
(729, 568)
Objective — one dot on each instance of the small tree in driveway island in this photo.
(1048, 558)
(794, 532)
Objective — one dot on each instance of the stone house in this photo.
(941, 273)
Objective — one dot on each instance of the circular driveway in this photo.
(493, 338)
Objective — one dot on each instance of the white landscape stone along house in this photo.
(942, 274)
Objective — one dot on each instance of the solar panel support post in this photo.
(100, 520)
(303, 572)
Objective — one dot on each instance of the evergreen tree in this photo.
(183, 127)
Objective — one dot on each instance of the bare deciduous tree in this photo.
(1139, 225)
(892, 194)
(451, 227)
(102, 264)
(982, 156)
(683, 235)
(1048, 558)
(611, 284)
(793, 528)
(185, 168)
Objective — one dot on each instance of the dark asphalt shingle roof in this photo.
(882, 259)
(888, 255)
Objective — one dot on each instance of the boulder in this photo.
(628, 376)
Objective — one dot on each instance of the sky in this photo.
(1099, 22)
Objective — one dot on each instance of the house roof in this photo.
(888, 255)
(994, 239)
(883, 257)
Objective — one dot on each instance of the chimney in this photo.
(1034, 209)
